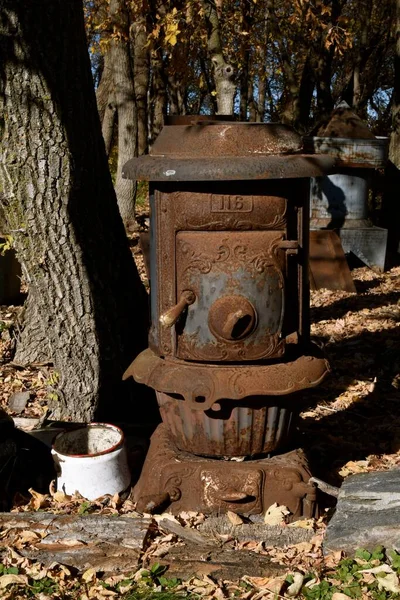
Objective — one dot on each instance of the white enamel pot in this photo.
(91, 460)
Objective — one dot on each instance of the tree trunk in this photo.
(108, 123)
(106, 102)
(391, 206)
(223, 72)
(175, 95)
(158, 95)
(121, 64)
(394, 150)
(32, 341)
(60, 204)
(307, 85)
(141, 66)
(245, 59)
(105, 86)
(364, 19)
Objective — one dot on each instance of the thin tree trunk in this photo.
(245, 59)
(108, 123)
(262, 89)
(307, 85)
(141, 67)
(364, 18)
(173, 100)
(106, 102)
(394, 149)
(105, 86)
(289, 101)
(158, 95)
(60, 203)
(391, 206)
(223, 72)
(251, 102)
(121, 64)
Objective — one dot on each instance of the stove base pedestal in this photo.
(174, 481)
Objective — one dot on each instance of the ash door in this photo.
(237, 279)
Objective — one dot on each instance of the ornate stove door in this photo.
(236, 281)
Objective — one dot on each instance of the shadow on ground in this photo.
(370, 425)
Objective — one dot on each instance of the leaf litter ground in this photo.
(349, 426)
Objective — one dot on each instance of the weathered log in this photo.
(185, 533)
(186, 561)
(271, 535)
(367, 513)
(104, 542)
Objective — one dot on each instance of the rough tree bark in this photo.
(245, 61)
(60, 204)
(391, 207)
(224, 73)
(141, 72)
(124, 93)
(106, 102)
(394, 150)
(158, 94)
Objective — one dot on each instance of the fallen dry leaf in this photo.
(352, 467)
(304, 547)
(295, 587)
(89, 575)
(28, 536)
(333, 559)
(234, 518)
(61, 498)
(275, 515)
(10, 579)
(257, 582)
(388, 580)
(38, 500)
(303, 523)
(275, 585)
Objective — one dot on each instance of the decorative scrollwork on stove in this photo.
(213, 352)
(233, 223)
(176, 479)
(197, 260)
(260, 261)
(216, 350)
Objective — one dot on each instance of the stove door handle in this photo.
(235, 496)
(170, 316)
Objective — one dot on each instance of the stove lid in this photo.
(222, 139)
(223, 150)
(244, 168)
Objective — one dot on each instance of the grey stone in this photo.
(18, 401)
(367, 513)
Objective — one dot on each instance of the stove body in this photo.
(229, 352)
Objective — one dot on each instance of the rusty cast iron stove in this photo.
(229, 352)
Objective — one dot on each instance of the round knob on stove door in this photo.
(232, 318)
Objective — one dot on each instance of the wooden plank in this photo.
(328, 264)
(189, 560)
(271, 535)
(105, 542)
(185, 533)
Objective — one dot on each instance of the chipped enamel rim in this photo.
(91, 426)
